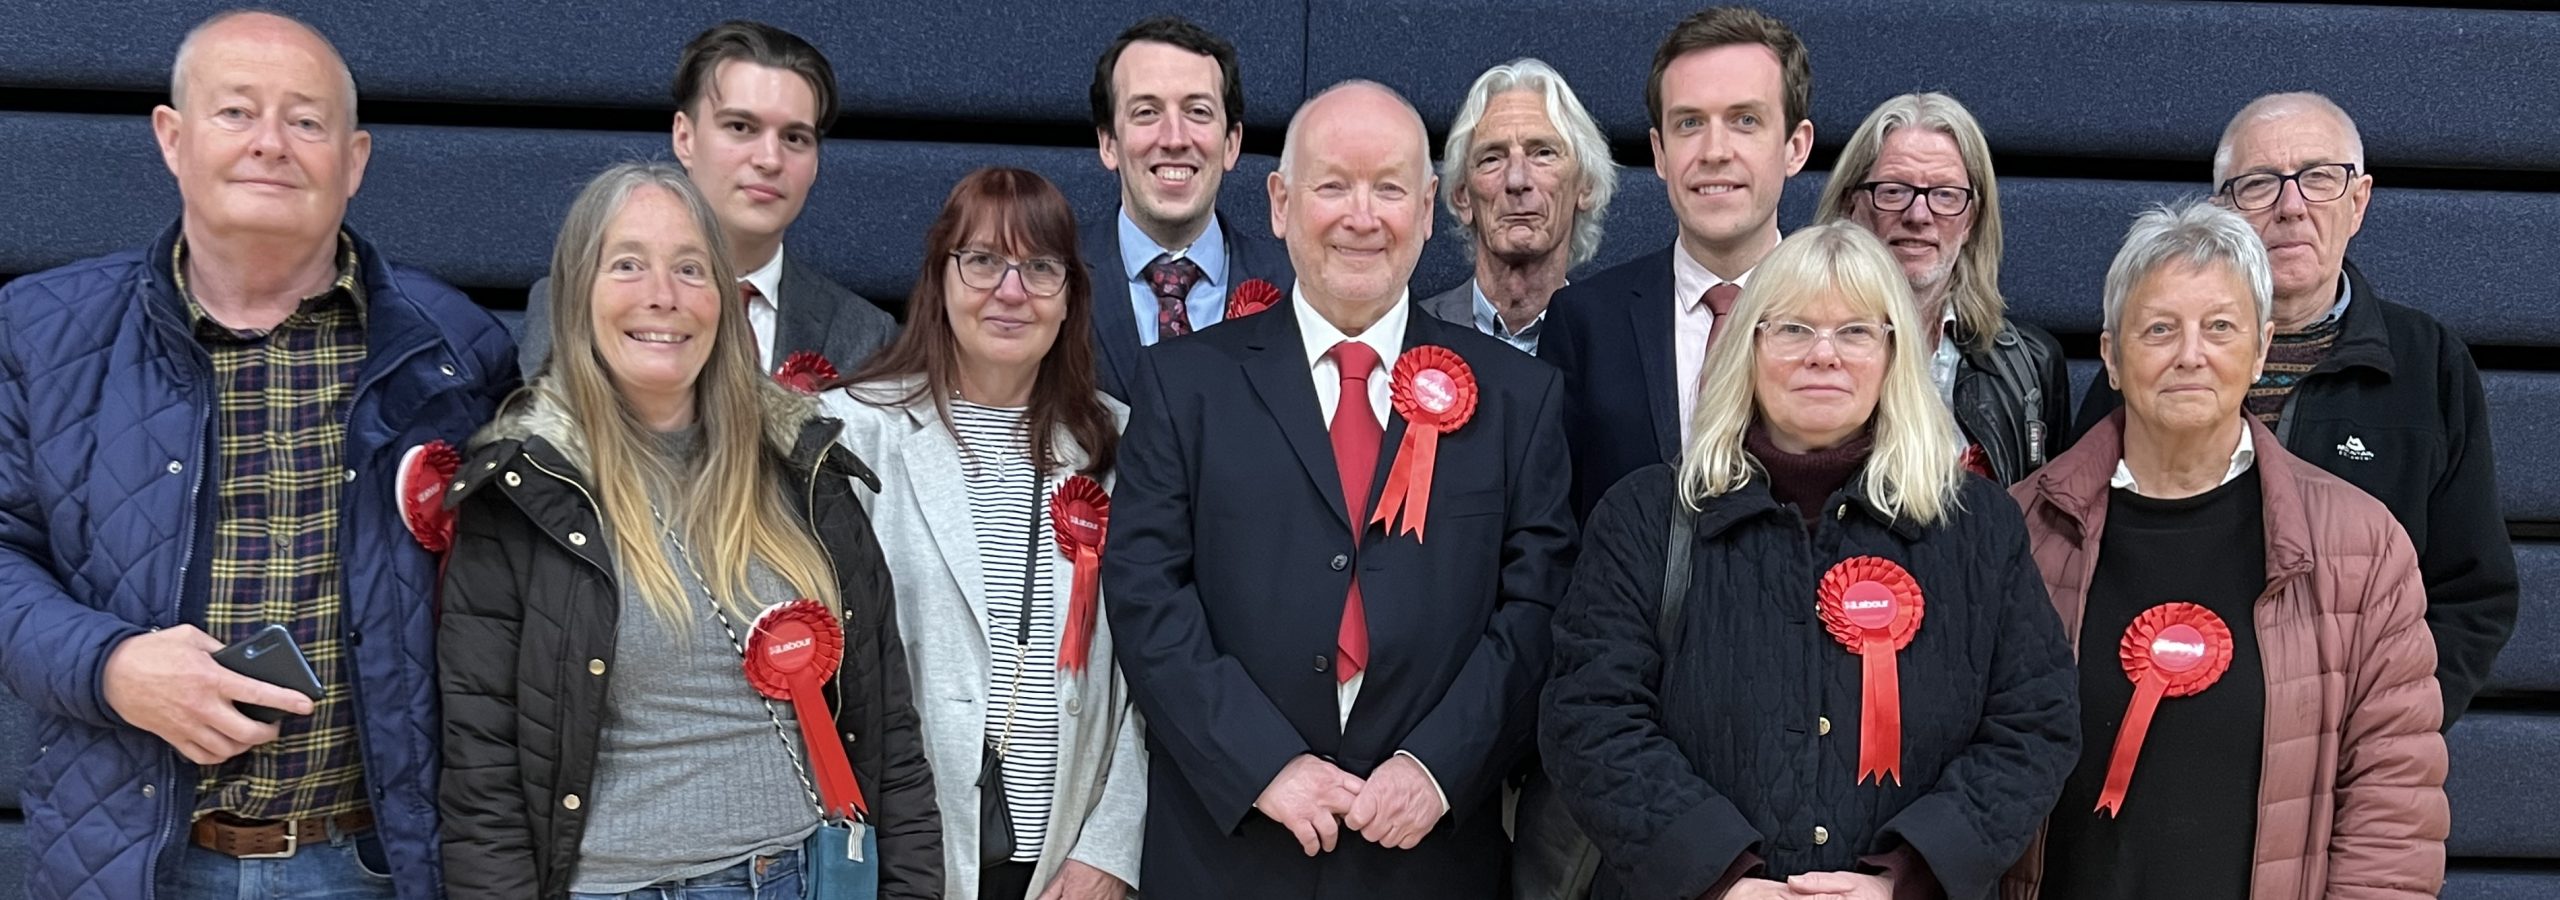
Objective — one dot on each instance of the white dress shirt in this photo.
(1692, 323)
(765, 310)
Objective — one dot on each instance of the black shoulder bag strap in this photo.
(1675, 578)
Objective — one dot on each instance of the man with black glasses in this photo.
(1917, 173)
(2372, 391)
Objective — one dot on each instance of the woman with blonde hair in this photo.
(1815, 659)
(636, 521)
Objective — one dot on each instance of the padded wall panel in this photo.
(2500, 884)
(2500, 786)
(973, 61)
(2092, 79)
(480, 207)
(2531, 660)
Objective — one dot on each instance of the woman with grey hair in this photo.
(2256, 676)
(1814, 659)
(668, 654)
(1918, 174)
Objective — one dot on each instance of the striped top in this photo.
(1009, 511)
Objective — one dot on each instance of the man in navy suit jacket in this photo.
(1169, 117)
(1331, 709)
(1728, 96)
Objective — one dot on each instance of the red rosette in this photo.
(1435, 392)
(1080, 514)
(2171, 650)
(791, 651)
(425, 471)
(805, 371)
(1872, 606)
(1253, 296)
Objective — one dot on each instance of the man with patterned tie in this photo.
(752, 102)
(1729, 97)
(1334, 626)
(1168, 116)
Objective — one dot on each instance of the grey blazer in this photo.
(921, 516)
(813, 313)
(1456, 306)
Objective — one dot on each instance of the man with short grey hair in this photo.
(2375, 392)
(1527, 173)
(206, 443)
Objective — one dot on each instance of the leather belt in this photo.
(241, 838)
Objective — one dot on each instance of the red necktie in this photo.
(1172, 278)
(1720, 302)
(747, 295)
(1356, 436)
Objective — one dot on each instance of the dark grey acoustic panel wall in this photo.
(488, 116)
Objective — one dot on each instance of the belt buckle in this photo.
(292, 843)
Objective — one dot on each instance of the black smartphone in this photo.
(270, 656)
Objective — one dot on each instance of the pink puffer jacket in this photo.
(2351, 794)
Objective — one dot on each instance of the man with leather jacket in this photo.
(1918, 174)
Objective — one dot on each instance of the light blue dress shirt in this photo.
(1207, 302)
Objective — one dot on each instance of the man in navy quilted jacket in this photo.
(198, 440)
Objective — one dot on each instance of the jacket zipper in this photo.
(346, 592)
(177, 616)
(809, 520)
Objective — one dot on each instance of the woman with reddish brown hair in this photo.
(994, 451)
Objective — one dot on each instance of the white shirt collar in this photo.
(768, 278)
(2241, 458)
(1690, 278)
(1385, 336)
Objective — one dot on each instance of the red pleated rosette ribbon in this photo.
(1253, 296)
(1080, 513)
(1435, 392)
(2171, 650)
(425, 471)
(805, 371)
(1872, 606)
(791, 652)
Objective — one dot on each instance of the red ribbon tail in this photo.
(1880, 714)
(2137, 724)
(837, 790)
(1391, 496)
(1425, 447)
(1077, 645)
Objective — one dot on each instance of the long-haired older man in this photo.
(1527, 173)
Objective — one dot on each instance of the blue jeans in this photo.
(775, 877)
(347, 867)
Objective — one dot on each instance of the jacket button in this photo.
(1821, 835)
(1323, 662)
(351, 474)
(569, 802)
(486, 466)
(1074, 706)
(176, 467)
(578, 537)
(447, 369)
(1822, 725)
(513, 480)
(596, 667)
(1341, 561)
(148, 791)
(457, 485)
(1844, 512)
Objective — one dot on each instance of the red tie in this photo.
(1356, 436)
(1720, 302)
(747, 295)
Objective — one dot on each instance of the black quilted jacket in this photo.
(1753, 744)
(530, 600)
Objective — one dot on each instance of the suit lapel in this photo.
(1115, 327)
(802, 316)
(933, 478)
(1276, 366)
(1649, 316)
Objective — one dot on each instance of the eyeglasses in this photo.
(982, 270)
(1795, 340)
(2259, 190)
(1895, 196)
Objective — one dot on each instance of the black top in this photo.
(1807, 480)
(2188, 825)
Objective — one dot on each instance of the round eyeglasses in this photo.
(1041, 276)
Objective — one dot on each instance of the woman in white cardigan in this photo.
(994, 453)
